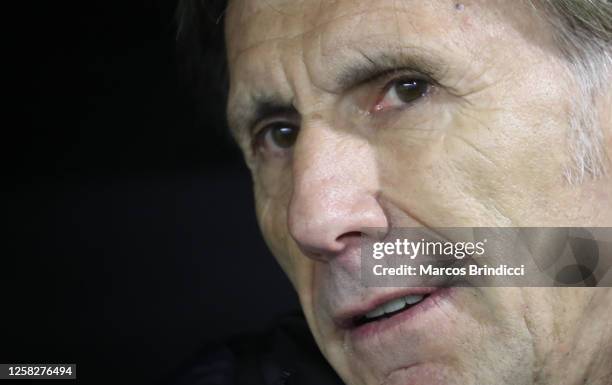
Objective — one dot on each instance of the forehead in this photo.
(275, 44)
(252, 24)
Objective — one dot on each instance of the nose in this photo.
(335, 192)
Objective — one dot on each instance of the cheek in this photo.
(272, 189)
(478, 164)
(272, 180)
(271, 213)
(508, 164)
(271, 216)
(430, 174)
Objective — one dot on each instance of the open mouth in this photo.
(389, 309)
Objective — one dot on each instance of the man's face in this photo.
(379, 114)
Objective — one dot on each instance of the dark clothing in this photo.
(284, 355)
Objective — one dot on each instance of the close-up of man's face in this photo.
(356, 115)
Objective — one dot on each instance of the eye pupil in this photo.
(410, 90)
(284, 136)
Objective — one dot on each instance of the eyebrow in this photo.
(370, 65)
(360, 69)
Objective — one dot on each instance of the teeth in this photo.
(412, 299)
(376, 312)
(394, 305)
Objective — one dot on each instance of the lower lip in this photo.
(411, 314)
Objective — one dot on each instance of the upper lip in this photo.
(346, 316)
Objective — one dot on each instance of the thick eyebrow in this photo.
(368, 66)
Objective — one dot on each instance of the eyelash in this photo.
(388, 78)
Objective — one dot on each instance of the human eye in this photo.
(275, 139)
(400, 92)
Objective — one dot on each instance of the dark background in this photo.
(130, 232)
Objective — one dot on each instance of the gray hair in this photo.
(583, 32)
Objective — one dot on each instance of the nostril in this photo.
(323, 249)
(320, 251)
(349, 236)
(316, 256)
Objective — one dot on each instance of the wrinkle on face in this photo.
(485, 148)
(534, 327)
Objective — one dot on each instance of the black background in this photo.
(131, 237)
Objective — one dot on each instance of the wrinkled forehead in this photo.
(250, 23)
(273, 45)
(269, 41)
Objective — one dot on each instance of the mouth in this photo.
(389, 309)
(385, 310)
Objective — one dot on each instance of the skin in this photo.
(485, 146)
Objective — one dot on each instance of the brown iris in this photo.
(283, 135)
(408, 90)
